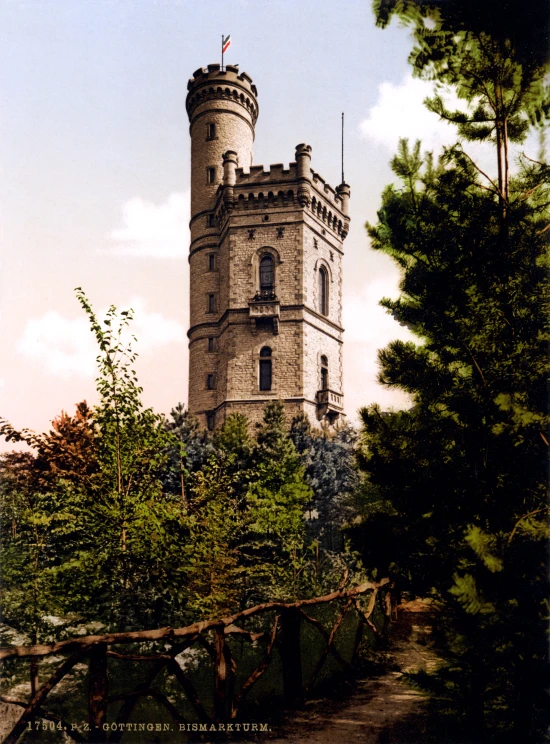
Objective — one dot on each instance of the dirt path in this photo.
(381, 710)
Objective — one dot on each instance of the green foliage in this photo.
(331, 473)
(249, 539)
(123, 519)
(190, 449)
(493, 65)
(277, 498)
(133, 544)
(92, 533)
(247, 524)
(461, 474)
(213, 551)
(440, 26)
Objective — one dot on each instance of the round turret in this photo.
(303, 171)
(222, 109)
(343, 191)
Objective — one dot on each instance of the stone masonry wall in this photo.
(265, 217)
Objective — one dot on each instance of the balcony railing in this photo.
(264, 295)
(330, 405)
(331, 398)
(265, 306)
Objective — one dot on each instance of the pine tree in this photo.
(495, 57)
(329, 459)
(190, 450)
(464, 469)
(276, 544)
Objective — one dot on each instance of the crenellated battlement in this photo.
(229, 84)
(257, 174)
(280, 174)
(229, 72)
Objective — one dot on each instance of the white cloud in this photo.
(153, 330)
(66, 347)
(369, 328)
(400, 112)
(154, 230)
(365, 321)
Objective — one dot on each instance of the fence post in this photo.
(390, 608)
(224, 678)
(357, 642)
(97, 692)
(291, 657)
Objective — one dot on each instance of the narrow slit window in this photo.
(210, 131)
(324, 373)
(266, 371)
(212, 303)
(210, 382)
(210, 420)
(323, 290)
(211, 175)
(211, 262)
(211, 344)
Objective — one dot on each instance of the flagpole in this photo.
(222, 54)
(343, 147)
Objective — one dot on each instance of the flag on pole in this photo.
(226, 43)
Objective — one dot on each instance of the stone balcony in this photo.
(265, 308)
(330, 404)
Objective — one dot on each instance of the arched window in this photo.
(324, 373)
(265, 368)
(323, 290)
(267, 276)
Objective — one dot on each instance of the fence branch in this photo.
(366, 619)
(260, 669)
(234, 630)
(35, 704)
(327, 648)
(175, 669)
(284, 634)
(224, 671)
(41, 713)
(358, 639)
(97, 692)
(291, 656)
(138, 657)
(129, 704)
(157, 695)
(160, 634)
(333, 650)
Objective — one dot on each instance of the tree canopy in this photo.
(458, 483)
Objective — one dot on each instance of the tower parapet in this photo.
(215, 83)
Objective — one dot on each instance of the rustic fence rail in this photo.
(211, 635)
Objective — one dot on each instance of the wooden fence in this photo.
(211, 635)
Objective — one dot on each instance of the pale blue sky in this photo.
(94, 159)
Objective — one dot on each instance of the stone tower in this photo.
(265, 264)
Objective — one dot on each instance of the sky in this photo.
(95, 173)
